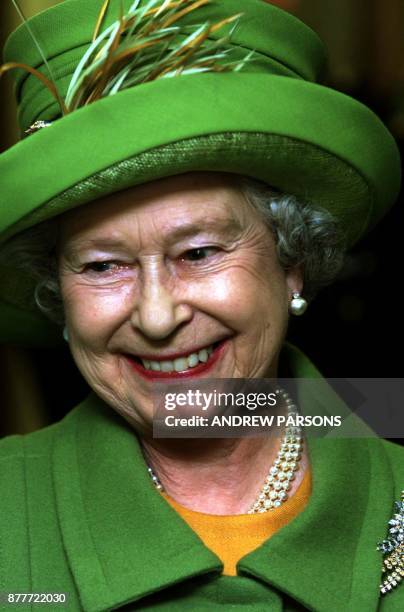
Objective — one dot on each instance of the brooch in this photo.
(393, 549)
(35, 127)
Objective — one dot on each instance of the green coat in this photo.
(79, 514)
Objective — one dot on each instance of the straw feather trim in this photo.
(146, 43)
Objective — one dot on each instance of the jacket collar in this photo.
(326, 558)
(123, 540)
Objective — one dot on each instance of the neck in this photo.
(215, 476)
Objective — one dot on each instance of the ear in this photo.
(294, 280)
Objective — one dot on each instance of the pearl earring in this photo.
(65, 334)
(298, 304)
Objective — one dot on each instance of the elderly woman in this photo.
(176, 198)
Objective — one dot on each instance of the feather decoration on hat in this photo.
(147, 43)
(50, 84)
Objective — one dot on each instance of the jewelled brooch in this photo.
(393, 550)
(35, 127)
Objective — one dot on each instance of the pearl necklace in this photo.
(274, 490)
(285, 466)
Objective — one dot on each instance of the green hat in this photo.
(263, 115)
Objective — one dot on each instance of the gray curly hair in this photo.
(305, 236)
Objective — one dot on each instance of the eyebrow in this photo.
(95, 243)
(231, 226)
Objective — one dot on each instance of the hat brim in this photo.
(302, 138)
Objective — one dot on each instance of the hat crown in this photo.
(282, 45)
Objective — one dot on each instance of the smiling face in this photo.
(174, 278)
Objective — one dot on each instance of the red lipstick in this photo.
(201, 368)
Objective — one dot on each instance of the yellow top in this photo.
(231, 537)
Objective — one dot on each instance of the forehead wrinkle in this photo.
(231, 224)
(185, 230)
(98, 242)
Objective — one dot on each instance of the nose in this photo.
(159, 309)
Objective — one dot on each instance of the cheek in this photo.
(246, 294)
(92, 314)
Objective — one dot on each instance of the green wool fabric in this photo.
(271, 121)
(80, 515)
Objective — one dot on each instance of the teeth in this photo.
(180, 364)
(203, 355)
(166, 366)
(193, 360)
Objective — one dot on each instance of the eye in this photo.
(100, 267)
(199, 253)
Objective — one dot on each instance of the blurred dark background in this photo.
(353, 328)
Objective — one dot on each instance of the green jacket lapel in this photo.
(326, 557)
(123, 541)
(328, 552)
